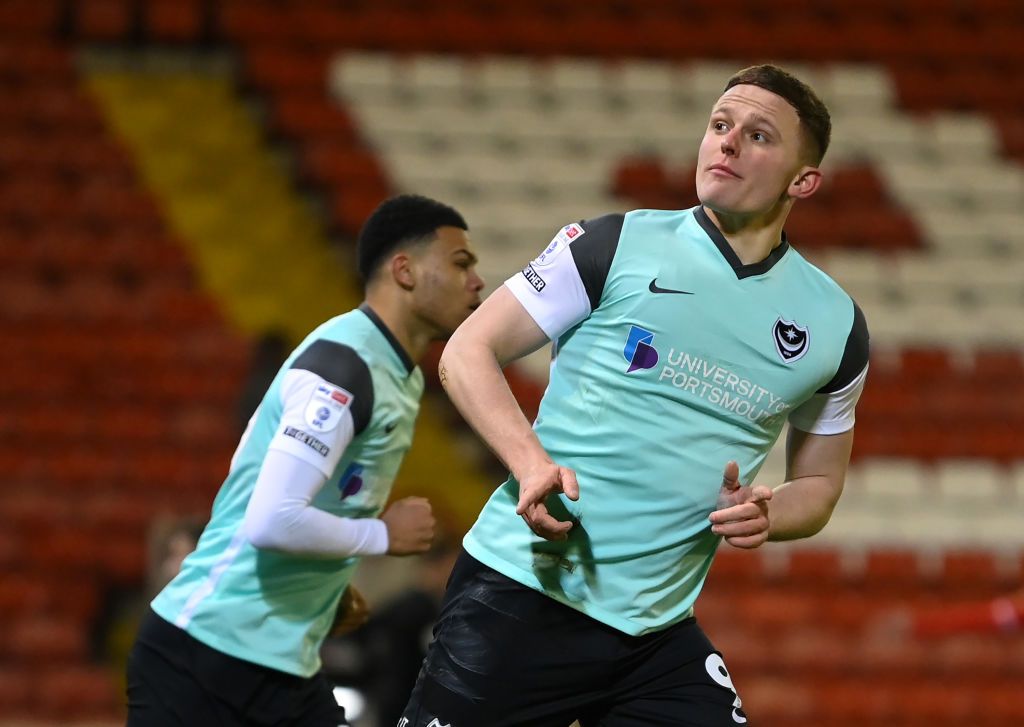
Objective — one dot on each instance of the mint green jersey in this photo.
(345, 401)
(671, 358)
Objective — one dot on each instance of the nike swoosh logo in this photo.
(653, 287)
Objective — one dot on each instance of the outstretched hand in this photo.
(742, 514)
(534, 488)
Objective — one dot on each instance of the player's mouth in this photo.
(721, 170)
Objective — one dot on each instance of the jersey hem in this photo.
(492, 560)
(211, 640)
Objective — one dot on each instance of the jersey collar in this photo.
(402, 353)
(741, 270)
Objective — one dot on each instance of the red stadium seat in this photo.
(892, 568)
(27, 18)
(175, 21)
(815, 566)
(89, 692)
(17, 689)
(103, 20)
(970, 570)
(40, 640)
(309, 116)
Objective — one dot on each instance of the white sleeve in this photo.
(280, 515)
(316, 420)
(550, 288)
(832, 413)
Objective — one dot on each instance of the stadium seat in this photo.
(175, 21)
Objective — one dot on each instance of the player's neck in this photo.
(752, 237)
(404, 325)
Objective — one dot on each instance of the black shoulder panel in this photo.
(855, 356)
(342, 366)
(594, 251)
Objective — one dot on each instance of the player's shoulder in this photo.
(660, 215)
(831, 298)
(340, 347)
(678, 222)
(824, 284)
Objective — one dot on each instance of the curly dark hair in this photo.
(402, 220)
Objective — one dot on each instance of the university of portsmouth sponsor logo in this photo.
(535, 280)
(721, 387)
(639, 350)
(308, 439)
(791, 340)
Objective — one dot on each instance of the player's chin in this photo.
(715, 199)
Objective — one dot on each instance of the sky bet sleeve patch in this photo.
(325, 407)
(316, 422)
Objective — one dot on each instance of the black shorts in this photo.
(505, 655)
(174, 679)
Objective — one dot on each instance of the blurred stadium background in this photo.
(180, 178)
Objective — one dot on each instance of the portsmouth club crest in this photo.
(791, 340)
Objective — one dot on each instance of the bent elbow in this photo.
(262, 535)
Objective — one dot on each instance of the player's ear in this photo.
(805, 183)
(402, 272)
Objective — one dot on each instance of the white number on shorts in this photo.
(717, 671)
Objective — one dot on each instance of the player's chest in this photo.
(700, 333)
(362, 481)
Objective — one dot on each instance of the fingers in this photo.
(570, 487)
(543, 524)
(741, 528)
(534, 489)
(749, 542)
(743, 511)
(532, 494)
(731, 476)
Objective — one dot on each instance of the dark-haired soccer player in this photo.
(234, 639)
(684, 341)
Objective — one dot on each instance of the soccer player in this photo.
(683, 342)
(234, 639)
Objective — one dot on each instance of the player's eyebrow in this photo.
(757, 119)
(472, 258)
(761, 120)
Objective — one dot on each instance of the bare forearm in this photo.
(802, 507)
(472, 377)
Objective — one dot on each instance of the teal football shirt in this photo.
(671, 358)
(345, 401)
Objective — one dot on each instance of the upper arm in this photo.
(564, 284)
(818, 455)
(502, 325)
(831, 410)
(326, 400)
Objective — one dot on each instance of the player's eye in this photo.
(758, 136)
(719, 126)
